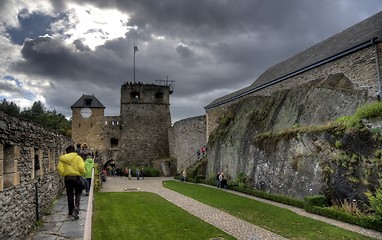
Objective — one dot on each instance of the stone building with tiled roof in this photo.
(279, 132)
(87, 120)
(355, 52)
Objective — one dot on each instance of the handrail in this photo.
(89, 212)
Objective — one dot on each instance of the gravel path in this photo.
(230, 224)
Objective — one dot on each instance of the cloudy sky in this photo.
(57, 50)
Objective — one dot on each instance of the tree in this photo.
(37, 113)
(10, 108)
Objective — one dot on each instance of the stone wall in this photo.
(284, 144)
(359, 67)
(28, 159)
(188, 135)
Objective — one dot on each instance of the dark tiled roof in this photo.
(87, 101)
(350, 40)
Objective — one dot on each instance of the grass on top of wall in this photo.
(143, 215)
(281, 221)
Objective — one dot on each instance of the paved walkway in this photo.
(58, 226)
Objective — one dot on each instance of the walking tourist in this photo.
(137, 173)
(71, 166)
(89, 165)
(184, 175)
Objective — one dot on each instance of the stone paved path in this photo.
(230, 224)
(59, 226)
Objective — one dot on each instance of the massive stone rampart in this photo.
(359, 67)
(29, 182)
(282, 144)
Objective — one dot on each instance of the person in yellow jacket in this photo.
(70, 166)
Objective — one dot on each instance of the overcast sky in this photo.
(56, 51)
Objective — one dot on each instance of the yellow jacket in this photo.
(71, 164)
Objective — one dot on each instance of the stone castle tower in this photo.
(87, 121)
(145, 119)
(137, 137)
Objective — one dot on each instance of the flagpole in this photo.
(134, 62)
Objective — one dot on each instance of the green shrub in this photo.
(313, 204)
(338, 144)
(274, 197)
(316, 200)
(97, 180)
(369, 110)
(370, 222)
(199, 178)
(242, 180)
(152, 172)
(375, 201)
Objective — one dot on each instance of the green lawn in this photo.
(278, 220)
(142, 215)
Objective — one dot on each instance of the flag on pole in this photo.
(135, 49)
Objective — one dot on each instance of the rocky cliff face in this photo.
(285, 145)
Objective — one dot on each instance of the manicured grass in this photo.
(142, 215)
(278, 220)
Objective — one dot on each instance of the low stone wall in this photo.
(29, 182)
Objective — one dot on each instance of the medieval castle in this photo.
(326, 81)
(137, 137)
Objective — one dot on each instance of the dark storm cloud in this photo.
(80, 46)
(209, 47)
(36, 25)
(184, 52)
(51, 58)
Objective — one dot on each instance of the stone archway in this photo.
(108, 163)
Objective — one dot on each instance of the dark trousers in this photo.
(73, 192)
(89, 182)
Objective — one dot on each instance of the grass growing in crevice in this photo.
(278, 220)
(142, 215)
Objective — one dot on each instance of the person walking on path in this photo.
(78, 148)
(137, 173)
(184, 175)
(221, 180)
(142, 173)
(85, 151)
(71, 166)
(89, 165)
(218, 180)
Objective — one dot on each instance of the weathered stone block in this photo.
(16, 152)
(1, 183)
(1, 152)
(8, 180)
(16, 178)
(15, 162)
(32, 153)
